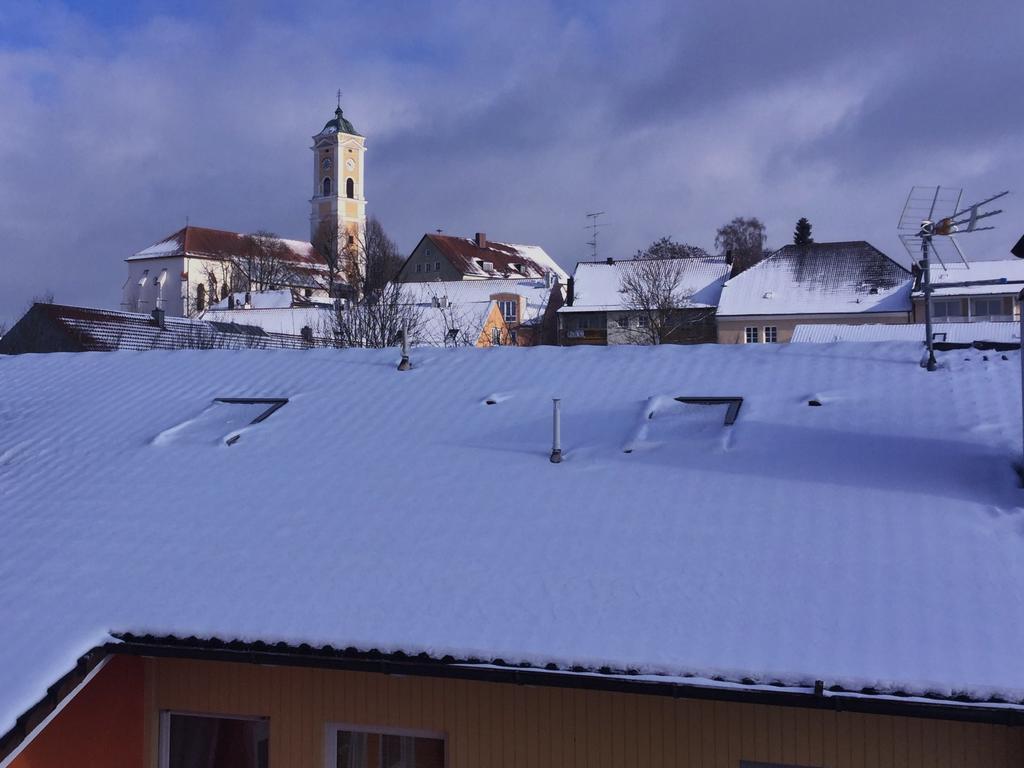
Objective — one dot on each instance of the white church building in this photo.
(190, 270)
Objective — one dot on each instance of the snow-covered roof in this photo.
(597, 284)
(1003, 277)
(504, 260)
(821, 278)
(288, 320)
(866, 542)
(203, 242)
(958, 333)
(59, 328)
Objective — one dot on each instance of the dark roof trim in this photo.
(498, 671)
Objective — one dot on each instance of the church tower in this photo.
(338, 180)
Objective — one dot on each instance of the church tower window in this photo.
(350, 189)
(327, 186)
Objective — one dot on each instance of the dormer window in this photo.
(327, 186)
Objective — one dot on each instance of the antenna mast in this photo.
(594, 225)
(936, 212)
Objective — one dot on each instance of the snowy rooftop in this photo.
(1003, 277)
(821, 278)
(504, 260)
(597, 284)
(957, 333)
(203, 242)
(877, 540)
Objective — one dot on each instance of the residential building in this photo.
(848, 283)
(57, 328)
(485, 313)
(245, 561)
(600, 311)
(186, 272)
(971, 292)
(447, 258)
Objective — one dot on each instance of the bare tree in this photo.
(378, 309)
(667, 248)
(262, 263)
(330, 245)
(656, 301)
(745, 239)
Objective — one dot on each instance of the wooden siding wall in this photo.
(491, 724)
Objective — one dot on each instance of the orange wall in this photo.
(102, 727)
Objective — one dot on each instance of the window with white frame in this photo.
(387, 748)
(750, 335)
(509, 310)
(213, 741)
(495, 336)
(643, 321)
(771, 334)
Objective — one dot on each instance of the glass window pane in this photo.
(379, 750)
(217, 742)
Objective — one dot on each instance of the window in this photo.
(509, 310)
(950, 310)
(771, 334)
(200, 297)
(350, 188)
(437, 266)
(327, 187)
(390, 749)
(750, 335)
(988, 308)
(643, 321)
(583, 323)
(426, 267)
(194, 741)
(495, 336)
(622, 321)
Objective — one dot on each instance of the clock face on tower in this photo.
(350, 163)
(326, 164)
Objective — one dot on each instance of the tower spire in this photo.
(338, 110)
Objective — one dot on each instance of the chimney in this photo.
(307, 334)
(570, 291)
(231, 301)
(609, 261)
(728, 256)
(481, 240)
(157, 318)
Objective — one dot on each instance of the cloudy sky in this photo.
(120, 119)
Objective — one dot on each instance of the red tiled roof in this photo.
(465, 255)
(203, 242)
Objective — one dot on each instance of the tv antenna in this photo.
(594, 225)
(939, 212)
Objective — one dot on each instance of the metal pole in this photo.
(1020, 304)
(556, 442)
(405, 365)
(926, 240)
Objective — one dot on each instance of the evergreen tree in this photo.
(802, 233)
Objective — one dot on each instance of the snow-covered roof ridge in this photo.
(204, 242)
(819, 278)
(469, 257)
(966, 333)
(597, 285)
(864, 542)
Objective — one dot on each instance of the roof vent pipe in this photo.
(556, 437)
(609, 261)
(158, 318)
(481, 240)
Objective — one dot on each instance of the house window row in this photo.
(436, 266)
(188, 740)
(982, 308)
(752, 334)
